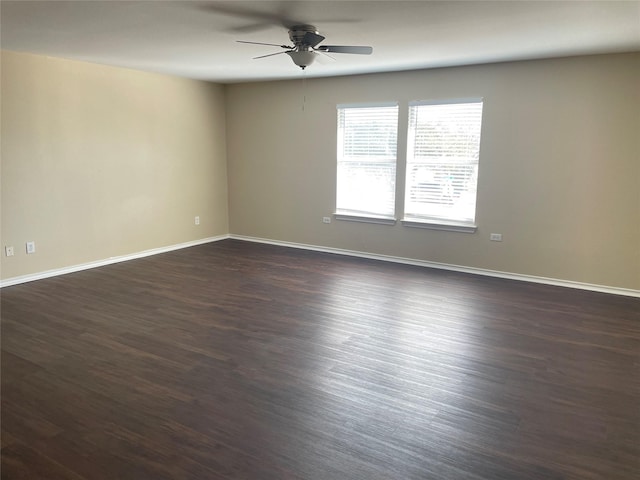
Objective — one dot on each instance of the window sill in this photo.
(440, 225)
(365, 219)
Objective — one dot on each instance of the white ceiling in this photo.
(198, 39)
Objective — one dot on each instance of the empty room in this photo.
(320, 240)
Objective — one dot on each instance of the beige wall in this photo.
(559, 166)
(99, 162)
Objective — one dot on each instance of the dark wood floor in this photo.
(235, 360)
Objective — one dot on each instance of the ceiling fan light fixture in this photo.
(302, 58)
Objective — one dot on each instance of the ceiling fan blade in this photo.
(251, 28)
(325, 58)
(260, 18)
(312, 39)
(282, 13)
(345, 49)
(262, 43)
(269, 55)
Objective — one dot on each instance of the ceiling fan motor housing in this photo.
(297, 33)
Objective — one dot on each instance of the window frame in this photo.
(401, 168)
(432, 221)
(363, 215)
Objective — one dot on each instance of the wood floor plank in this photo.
(20, 462)
(236, 360)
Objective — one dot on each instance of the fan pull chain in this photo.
(304, 89)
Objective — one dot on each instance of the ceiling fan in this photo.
(306, 46)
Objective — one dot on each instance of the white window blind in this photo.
(443, 151)
(367, 145)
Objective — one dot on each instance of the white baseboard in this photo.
(108, 261)
(353, 253)
(445, 266)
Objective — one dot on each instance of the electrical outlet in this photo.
(326, 219)
(495, 237)
(31, 247)
(8, 251)
(197, 220)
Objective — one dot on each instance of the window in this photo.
(367, 145)
(443, 150)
